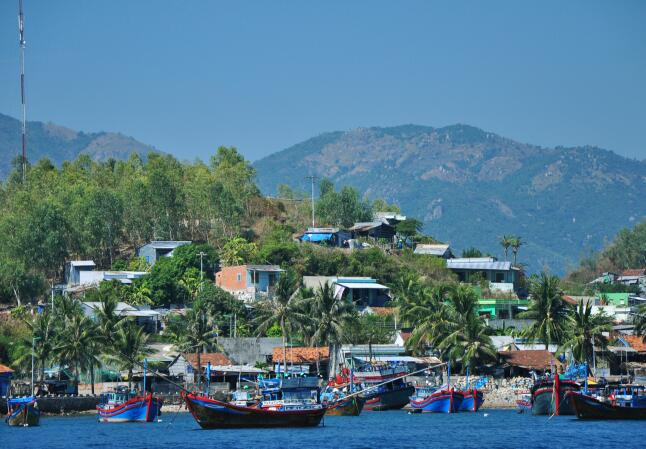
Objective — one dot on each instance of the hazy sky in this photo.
(187, 76)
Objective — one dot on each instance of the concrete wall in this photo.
(60, 404)
(249, 350)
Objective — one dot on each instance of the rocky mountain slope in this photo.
(59, 144)
(470, 186)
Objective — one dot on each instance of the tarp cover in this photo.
(316, 237)
(23, 400)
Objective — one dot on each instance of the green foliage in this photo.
(342, 208)
(238, 251)
(585, 332)
(274, 331)
(472, 252)
(409, 227)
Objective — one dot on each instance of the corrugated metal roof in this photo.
(264, 268)
(458, 264)
(434, 250)
(369, 285)
(82, 263)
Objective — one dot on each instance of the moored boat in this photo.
(472, 399)
(549, 397)
(524, 402)
(444, 400)
(346, 407)
(629, 405)
(297, 405)
(22, 412)
(121, 405)
(390, 390)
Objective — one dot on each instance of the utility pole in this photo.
(202, 254)
(21, 35)
(312, 178)
(33, 349)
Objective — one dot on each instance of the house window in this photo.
(500, 277)
(239, 277)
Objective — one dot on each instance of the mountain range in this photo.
(60, 144)
(470, 187)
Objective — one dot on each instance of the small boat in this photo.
(549, 397)
(295, 405)
(346, 407)
(122, 405)
(524, 403)
(390, 391)
(22, 412)
(443, 400)
(472, 399)
(627, 404)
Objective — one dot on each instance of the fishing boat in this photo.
(386, 387)
(296, 404)
(341, 397)
(442, 400)
(472, 399)
(22, 412)
(549, 396)
(626, 403)
(121, 405)
(524, 402)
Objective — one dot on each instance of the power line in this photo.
(21, 34)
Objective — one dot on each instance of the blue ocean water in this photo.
(394, 429)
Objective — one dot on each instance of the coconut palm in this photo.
(516, 243)
(639, 320)
(107, 317)
(128, 347)
(587, 329)
(44, 332)
(506, 242)
(429, 316)
(330, 313)
(140, 294)
(78, 345)
(548, 309)
(284, 308)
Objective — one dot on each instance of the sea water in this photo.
(393, 429)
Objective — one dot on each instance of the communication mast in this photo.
(21, 34)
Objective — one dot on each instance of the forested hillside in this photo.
(470, 186)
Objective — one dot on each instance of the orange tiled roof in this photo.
(530, 358)
(635, 342)
(5, 369)
(634, 272)
(383, 310)
(405, 335)
(216, 359)
(570, 300)
(301, 354)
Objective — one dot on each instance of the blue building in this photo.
(5, 380)
(157, 249)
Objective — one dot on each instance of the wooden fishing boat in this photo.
(212, 414)
(472, 399)
(22, 412)
(524, 402)
(549, 397)
(616, 406)
(123, 406)
(390, 391)
(444, 400)
(346, 407)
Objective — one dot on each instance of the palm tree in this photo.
(506, 241)
(428, 313)
(107, 317)
(43, 330)
(78, 344)
(639, 320)
(331, 313)
(199, 334)
(548, 309)
(140, 294)
(516, 243)
(587, 330)
(128, 347)
(284, 308)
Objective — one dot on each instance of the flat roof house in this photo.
(157, 249)
(249, 282)
(363, 291)
(327, 236)
(501, 275)
(82, 273)
(436, 249)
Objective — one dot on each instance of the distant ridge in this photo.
(60, 144)
(470, 186)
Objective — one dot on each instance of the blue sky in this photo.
(188, 76)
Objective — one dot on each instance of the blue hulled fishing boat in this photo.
(22, 412)
(443, 400)
(472, 399)
(125, 406)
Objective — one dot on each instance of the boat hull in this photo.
(346, 407)
(25, 415)
(440, 402)
(135, 410)
(544, 399)
(388, 400)
(587, 407)
(212, 414)
(471, 401)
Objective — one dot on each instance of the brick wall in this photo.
(227, 278)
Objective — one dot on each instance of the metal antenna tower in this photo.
(21, 34)
(312, 178)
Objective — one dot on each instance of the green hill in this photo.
(60, 144)
(470, 186)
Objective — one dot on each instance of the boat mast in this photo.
(21, 34)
